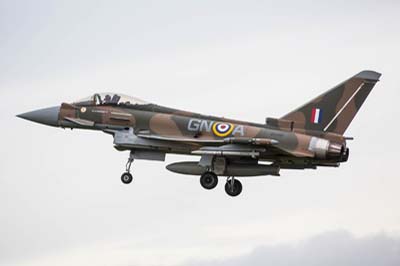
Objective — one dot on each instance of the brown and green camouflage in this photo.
(309, 136)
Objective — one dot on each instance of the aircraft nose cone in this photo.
(47, 116)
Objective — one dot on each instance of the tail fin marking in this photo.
(334, 110)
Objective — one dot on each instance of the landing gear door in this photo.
(125, 137)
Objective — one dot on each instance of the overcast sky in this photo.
(61, 198)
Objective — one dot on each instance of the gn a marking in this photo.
(219, 129)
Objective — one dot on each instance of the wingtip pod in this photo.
(369, 75)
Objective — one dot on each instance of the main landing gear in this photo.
(126, 177)
(209, 180)
(233, 187)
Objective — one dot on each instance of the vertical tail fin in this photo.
(334, 110)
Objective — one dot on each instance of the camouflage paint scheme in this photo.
(291, 142)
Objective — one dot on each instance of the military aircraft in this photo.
(306, 138)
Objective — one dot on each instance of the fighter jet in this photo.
(306, 138)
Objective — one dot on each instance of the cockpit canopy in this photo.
(109, 98)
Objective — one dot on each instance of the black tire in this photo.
(209, 180)
(126, 178)
(234, 190)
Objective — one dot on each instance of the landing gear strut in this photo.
(126, 177)
(233, 187)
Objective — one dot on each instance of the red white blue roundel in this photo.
(222, 129)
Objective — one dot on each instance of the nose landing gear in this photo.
(126, 177)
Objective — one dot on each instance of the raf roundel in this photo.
(222, 129)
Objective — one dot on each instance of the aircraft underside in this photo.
(211, 166)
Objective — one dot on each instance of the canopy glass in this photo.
(109, 98)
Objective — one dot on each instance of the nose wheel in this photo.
(126, 177)
(233, 187)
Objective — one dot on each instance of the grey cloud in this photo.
(328, 249)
